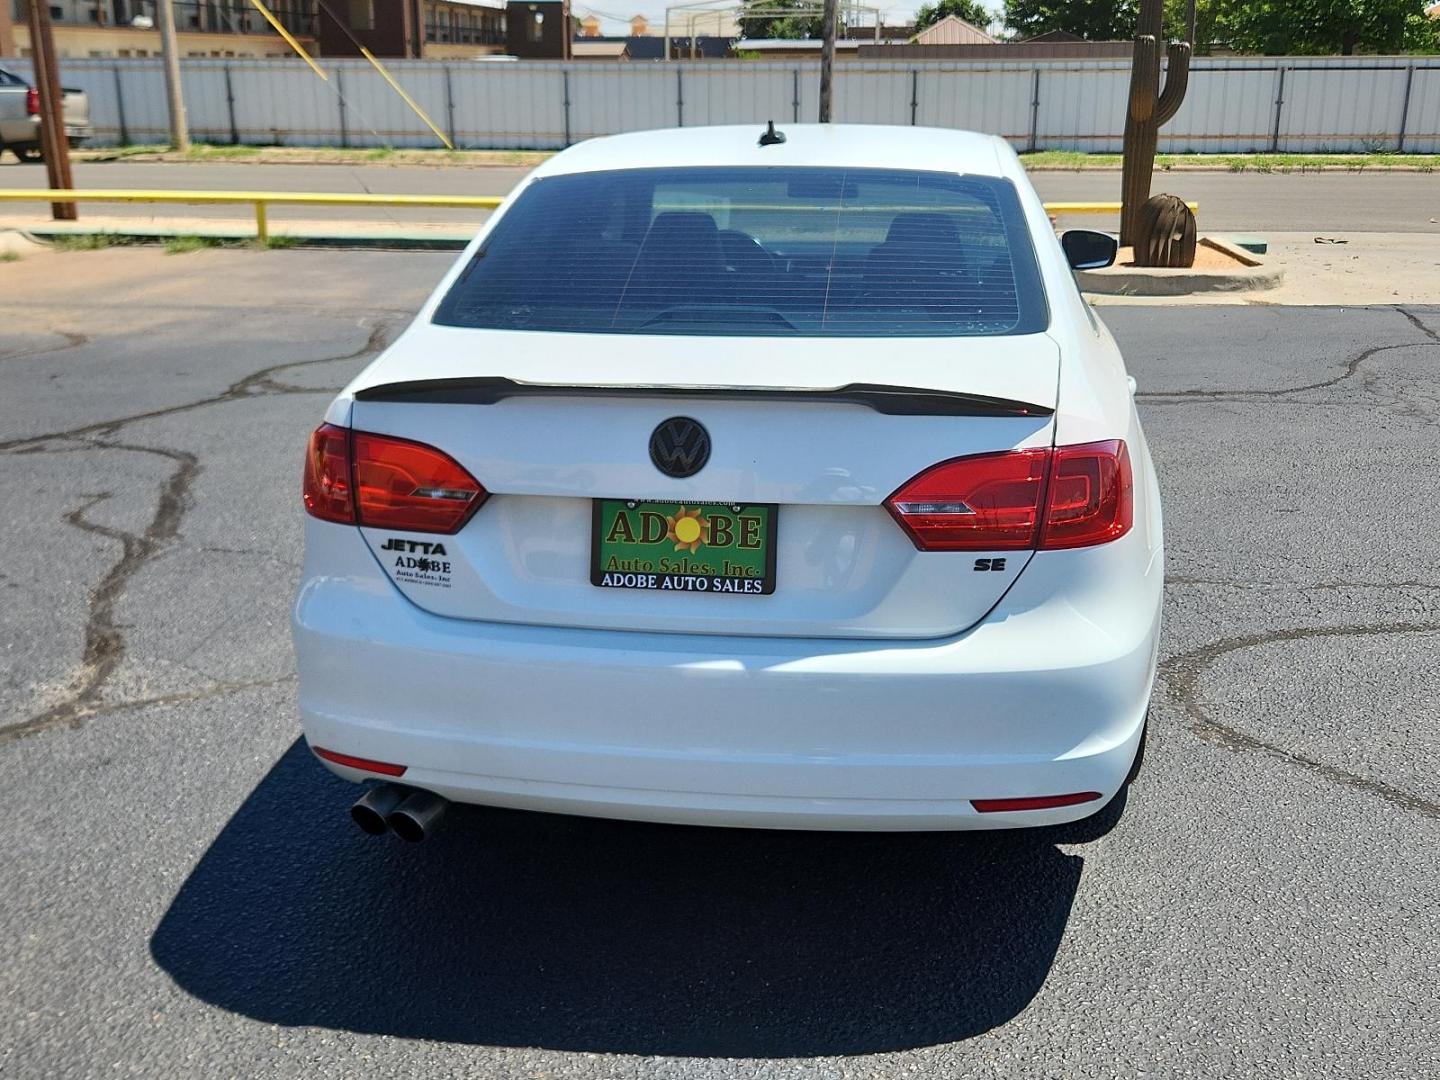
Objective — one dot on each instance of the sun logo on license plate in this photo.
(688, 529)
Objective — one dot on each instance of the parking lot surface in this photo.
(183, 894)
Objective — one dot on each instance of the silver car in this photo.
(20, 117)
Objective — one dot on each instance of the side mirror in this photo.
(1088, 250)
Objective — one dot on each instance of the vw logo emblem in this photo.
(680, 446)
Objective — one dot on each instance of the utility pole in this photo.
(827, 58)
(53, 144)
(179, 129)
(7, 32)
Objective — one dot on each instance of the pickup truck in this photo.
(20, 116)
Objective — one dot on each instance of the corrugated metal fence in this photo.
(1300, 104)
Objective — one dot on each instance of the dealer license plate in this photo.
(723, 548)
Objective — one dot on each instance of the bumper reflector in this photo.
(384, 768)
(1033, 802)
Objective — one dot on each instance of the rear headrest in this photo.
(681, 224)
(923, 228)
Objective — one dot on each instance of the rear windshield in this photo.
(757, 251)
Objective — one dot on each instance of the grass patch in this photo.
(278, 243)
(85, 242)
(185, 245)
(212, 152)
(116, 153)
(319, 155)
(1067, 159)
(9, 256)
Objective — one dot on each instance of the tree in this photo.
(1325, 27)
(1093, 20)
(774, 23)
(1273, 27)
(972, 11)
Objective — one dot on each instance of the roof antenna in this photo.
(770, 136)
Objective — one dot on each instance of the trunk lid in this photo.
(549, 423)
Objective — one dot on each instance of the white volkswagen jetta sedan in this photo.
(780, 481)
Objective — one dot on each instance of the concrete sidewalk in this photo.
(1366, 268)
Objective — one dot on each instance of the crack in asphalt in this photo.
(1350, 370)
(1432, 334)
(1182, 673)
(104, 639)
(73, 340)
(1352, 367)
(258, 383)
(105, 643)
(1182, 676)
(256, 553)
(179, 697)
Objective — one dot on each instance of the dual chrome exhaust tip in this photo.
(410, 813)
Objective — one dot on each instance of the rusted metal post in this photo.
(53, 143)
(1149, 109)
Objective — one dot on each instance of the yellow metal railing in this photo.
(262, 200)
(1055, 208)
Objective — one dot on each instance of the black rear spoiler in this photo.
(890, 400)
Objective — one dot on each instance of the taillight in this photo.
(383, 482)
(989, 502)
(1092, 495)
(1071, 496)
(410, 486)
(32, 102)
(327, 486)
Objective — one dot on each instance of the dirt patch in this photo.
(1206, 258)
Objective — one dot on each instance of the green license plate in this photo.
(683, 547)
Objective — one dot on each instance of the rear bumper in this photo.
(1047, 696)
(27, 132)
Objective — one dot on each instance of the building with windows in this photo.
(126, 28)
(434, 29)
(459, 29)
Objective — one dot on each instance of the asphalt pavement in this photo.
(183, 894)
(1330, 202)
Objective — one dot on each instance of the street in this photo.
(1330, 202)
(184, 894)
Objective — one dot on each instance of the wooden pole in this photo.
(170, 48)
(7, 31)
(53, 143)
(827, 58)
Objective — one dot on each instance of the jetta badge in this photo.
(680, 446)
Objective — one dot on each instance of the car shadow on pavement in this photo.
(536, 930)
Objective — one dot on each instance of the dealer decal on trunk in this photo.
(418, 562)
